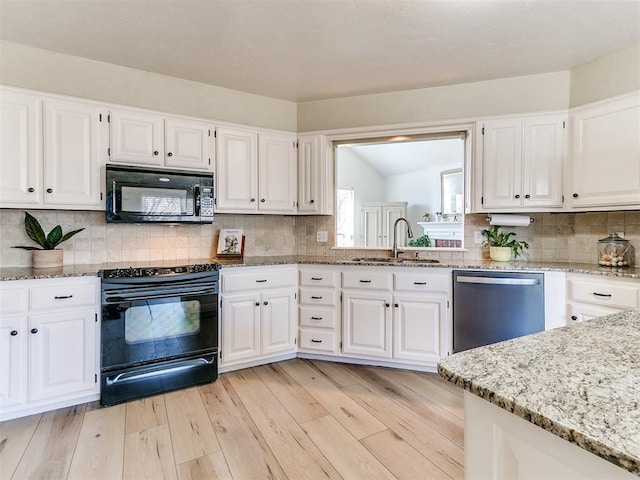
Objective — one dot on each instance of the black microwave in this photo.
(139, 195)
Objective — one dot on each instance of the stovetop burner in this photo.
(131, 272)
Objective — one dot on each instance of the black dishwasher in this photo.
(490, 307)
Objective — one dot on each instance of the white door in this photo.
(188, 144)
(240, 327)
(366, 324)
(136, 137)
(606, 154)
(389, 216)
(277, 173)
(581, 312)
(14, 337)
(371, 226)
(236, 170)
(543, 158)
(61, 353)
(417, 327)
(279, 323)
(20, 149)
(72, 153)
(309, 173)
(502, 164)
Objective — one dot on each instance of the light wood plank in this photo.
(145, 413)
(238, 434)
(295, 452)
(191, 429)
(352, 416)
(440, 419)
(440, 382)
(430, 389)
(51, 448)
(432, 444)
(14, 438)
(211, 467)
(220, 466)
(295, 399)
(337, 373)
(344, 452)
(400, 458)
(99, 453)
(149, 454)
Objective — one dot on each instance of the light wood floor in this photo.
(292, 420)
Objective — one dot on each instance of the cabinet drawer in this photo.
(604, 293)
(317, 317)
(321, 341)
(14, 300)
(319, 296)
(62, 296)
(258, 280)
(312, 278)
(420, 282)
(367, 280)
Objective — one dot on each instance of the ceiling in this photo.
(302, 50)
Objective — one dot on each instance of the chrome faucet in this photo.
(395, 235)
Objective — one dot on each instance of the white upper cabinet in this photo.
(236, 170)
(51, 152)
(144, 138)
(521, 162)
(277, 178)
(315, 175)
(605, 154)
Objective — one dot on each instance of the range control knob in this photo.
(149, 272)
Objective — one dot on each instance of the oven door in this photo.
(150, 324)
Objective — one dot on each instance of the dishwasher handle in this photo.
(498, 280)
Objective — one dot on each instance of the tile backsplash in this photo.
(561, 237)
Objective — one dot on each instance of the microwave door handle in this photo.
(114, 208)
(198, 199)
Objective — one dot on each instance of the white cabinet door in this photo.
(543, 154)
(236, 170)
(20, 149)
(240, 327)
(366, 324)
(606, 153)
(278, 321)
(72, 153)
(277, 173)
(136, 137)
(389, 216)
(579, 312)
(61, 353)
(188, 144)
(14, 338)
(417, 328)
(313, 175)
(502, 163)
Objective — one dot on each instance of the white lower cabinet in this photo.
(366, 323)
(590, 296)
(257, 314)
(318, 311)
(418, 327)
(48, 344)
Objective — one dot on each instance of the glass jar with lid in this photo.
(614, 251)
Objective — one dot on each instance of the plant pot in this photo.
(500, 254)
(47, 258)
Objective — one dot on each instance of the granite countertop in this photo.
(26, 273)
(581, 383)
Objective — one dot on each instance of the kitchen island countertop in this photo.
(581, 383)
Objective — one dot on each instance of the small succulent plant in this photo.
(47, 242)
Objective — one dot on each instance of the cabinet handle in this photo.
(419, 283)
(49, 190)
(34, 330)
(252, 200)
(266, 303)
(608, 295)
(257, 304)
(260, 281)
(310, 201)
(316, 298)
(316, 318)
(517, 196)
(169, 154)
(14, 333)
(62, 297)
(31, 190)
(527, 196)
(262, 200)
(396, 305)
(575, 195)
(365, 281)
(386, 304)
(574, 318)
(156, 153)
(316, 278)
(316, 341)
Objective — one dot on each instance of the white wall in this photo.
(606, 77)
(33, 68)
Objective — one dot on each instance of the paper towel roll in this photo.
(510, 220)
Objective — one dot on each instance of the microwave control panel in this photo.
(206, 202)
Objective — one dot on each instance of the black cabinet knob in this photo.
(169, 154)
(257, 304)
(573, 317)
(49, 190)
(396, 305)
(156, 153)
(517, 196)
(311, 201)
(527, 196)
(575, 195)
(266, 303)
(34, 330)
(387, 305)
(262, 200)
(14, 333)
(252, 200)
(31, 190)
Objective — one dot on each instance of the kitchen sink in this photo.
(390, 260)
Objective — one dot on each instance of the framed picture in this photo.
(230, 242)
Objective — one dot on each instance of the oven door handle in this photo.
(159, 370)
(131, 298)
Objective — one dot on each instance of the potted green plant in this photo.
(422, 241)
(46, 255)
(501, 246)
